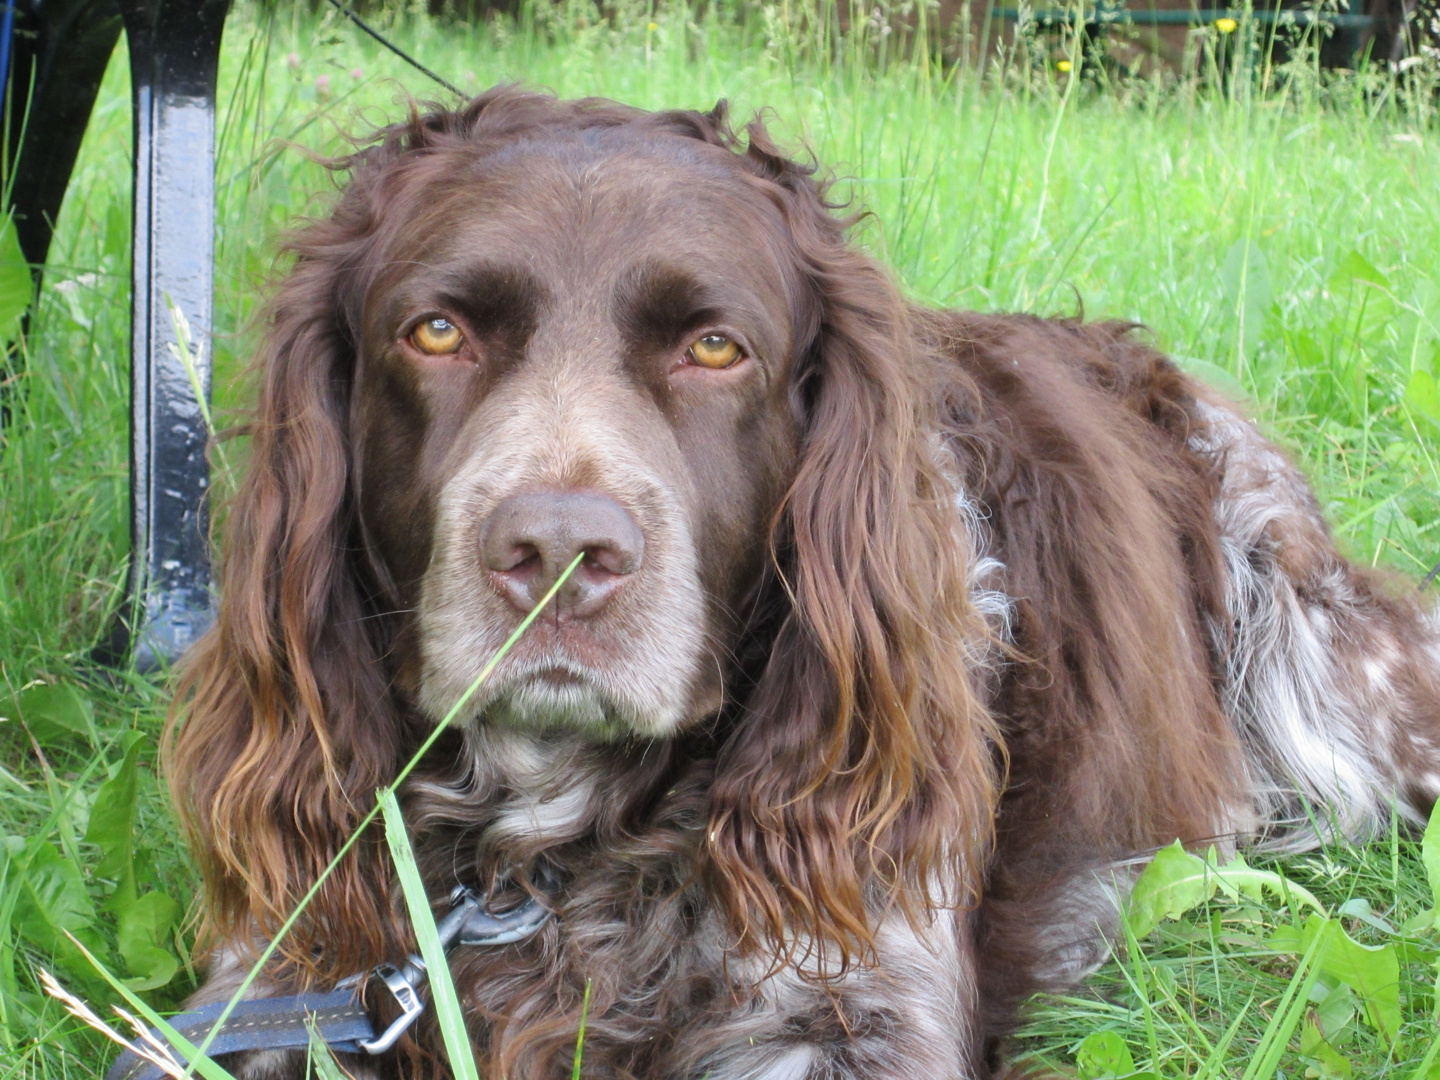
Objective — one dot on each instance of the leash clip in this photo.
(404, 992)
(468, 922)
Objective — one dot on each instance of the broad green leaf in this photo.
(1102, 1056)
(55, 710)
(112, 818)
(1173, 883)
(1430, 856)
(1327, 1062)
(1357, 907)
(1216, 376)
(1422, 396)
(16, 285)
(53, 902)
(1177, 881)
(1356, 268)
(1334, 1011)
(442, 987)
(1429, 1067)
(1363, 293)
(1247, 881)
(1308, 351)
(144, 930)
(1371, 971)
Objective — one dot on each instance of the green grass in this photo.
(1284, 241)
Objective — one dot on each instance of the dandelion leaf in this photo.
(1173, 883)
(1216, 376)
(1104, 1055)
(1430, 856)
(1245, 277)
(54, 711)
(53, 902)
(1238, 879)
(1355, 267)
(1422, 396)
(16, 285)
(1177, 881)
(112, 818)
(1325, 1061)
(1372, 972)
(144, 929)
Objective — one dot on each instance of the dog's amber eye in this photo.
(714, 351)
(436, 337)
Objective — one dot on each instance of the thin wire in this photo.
(344, 9)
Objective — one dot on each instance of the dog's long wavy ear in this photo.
(283, 729)
(860, 777)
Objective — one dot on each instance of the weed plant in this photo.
(1276, 226)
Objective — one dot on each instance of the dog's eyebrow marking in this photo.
(657, 304)
(503, 300)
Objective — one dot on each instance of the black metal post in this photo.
(58, 58)
(174, 53)
(59, 50)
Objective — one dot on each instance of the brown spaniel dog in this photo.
(901, 638)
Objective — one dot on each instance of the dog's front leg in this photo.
(910, 1016)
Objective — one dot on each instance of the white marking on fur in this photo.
(910, 1016)
(987, 574)
(1308, 739)
(545, 815)
(792, 1064)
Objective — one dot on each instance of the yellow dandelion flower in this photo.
(1063, 65)
(652, 27)
(1226, 26)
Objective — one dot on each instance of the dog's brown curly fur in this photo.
(944, 621)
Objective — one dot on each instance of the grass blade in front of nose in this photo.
(442, 988)
(314, 889)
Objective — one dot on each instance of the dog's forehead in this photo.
(575, 211)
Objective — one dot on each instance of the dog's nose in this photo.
(529, 540)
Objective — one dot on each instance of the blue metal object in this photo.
(339, 1018)
(174, 52)
(7, 34)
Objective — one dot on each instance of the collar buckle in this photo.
(468, 922)
(411, 1006)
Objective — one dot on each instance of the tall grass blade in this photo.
(419, 754)
(580, 1035)
(198, 1061)
(442, 986)
(320, 1062)
(1214, 1064)
(1288, 1013)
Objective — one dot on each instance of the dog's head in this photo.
(533, 332)
(573, 340)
